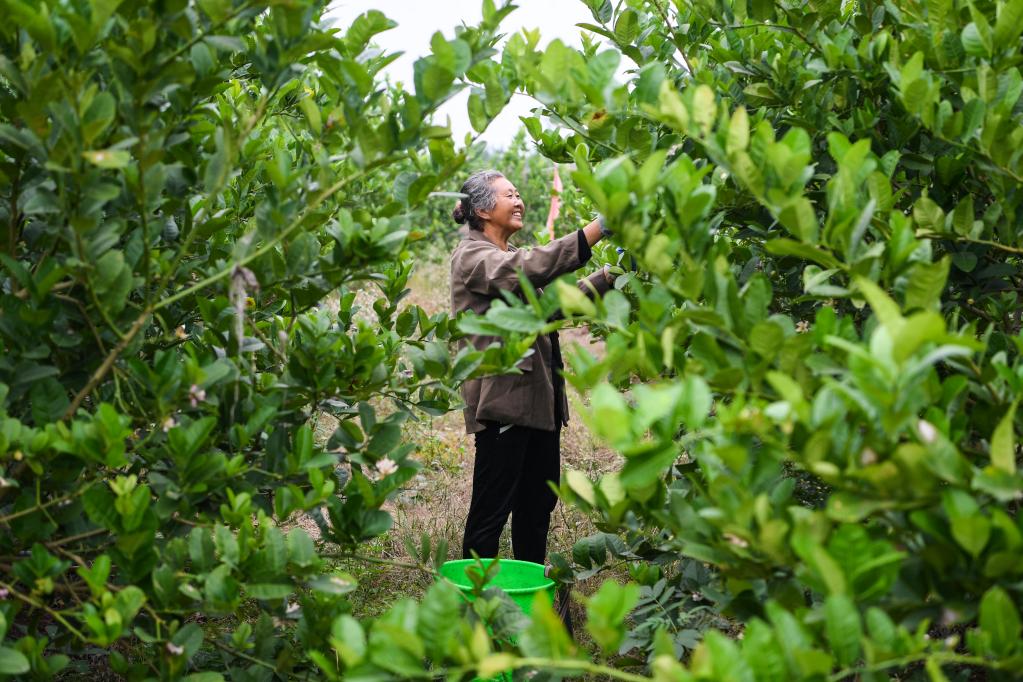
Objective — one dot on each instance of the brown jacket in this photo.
(480, 270)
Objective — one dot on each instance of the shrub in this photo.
(824, 203)
(182, 183)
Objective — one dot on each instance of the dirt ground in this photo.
(437, 499)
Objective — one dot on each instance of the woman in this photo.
(516, 419)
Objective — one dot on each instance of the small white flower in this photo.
(736, 540)
(868, 457)
(169, 424)
(196, 395)
(927, 432)
(175, 650)
(386, 466)
(802, 327)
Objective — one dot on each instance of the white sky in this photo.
(419, 19)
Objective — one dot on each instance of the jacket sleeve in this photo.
(487, 270)
(595, 284)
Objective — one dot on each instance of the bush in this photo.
(824, 203)
(813, 372)
(182, 183)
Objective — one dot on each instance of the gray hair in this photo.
(479, 195)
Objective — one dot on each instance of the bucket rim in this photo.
(546, 585)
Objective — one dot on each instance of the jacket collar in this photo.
(467, 233)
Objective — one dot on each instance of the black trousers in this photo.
(510, 477)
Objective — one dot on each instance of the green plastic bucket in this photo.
(521, 580)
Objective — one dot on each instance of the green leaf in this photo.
(13, 662)
(96, 577)
(98, 503)
(1000, 620)
(546, 636)
(494, 665)
(617, 308)
(799, 219)
(787, 247)
(1008, 24)
(609, 414)
(128, 602)
(439, 615)
(478, 117)
(607, 612)
(521, 320)
(704, 108)
(765, 338)
(1003, 442)
(972, 533)
(226, 43)
(113, 281)
(364, 28)
(933, 668)
(348, 639)
(336, 583)
(98, 117)
(215, 9)
(962, 216)
(886, 309)
(919, 329)
(432, 80)
(49, 400)
(581, 485)
(725, 660)
(312, 113)
(189, 638)
(269, 590)
(627, 26)
(738, 132)
(697, 401)
(201, 549)
(929, 215)
(301, 551)
(974, 42)
(108, 158)
(203, 677)
(842, 622)
(574, 301)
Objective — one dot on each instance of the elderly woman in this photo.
(516, 419)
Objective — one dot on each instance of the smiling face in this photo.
(509, 210)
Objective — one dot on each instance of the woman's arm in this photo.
(487, 270)
(593, 232)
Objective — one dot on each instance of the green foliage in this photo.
(811, 373)
(823, 200)
(181, 191)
